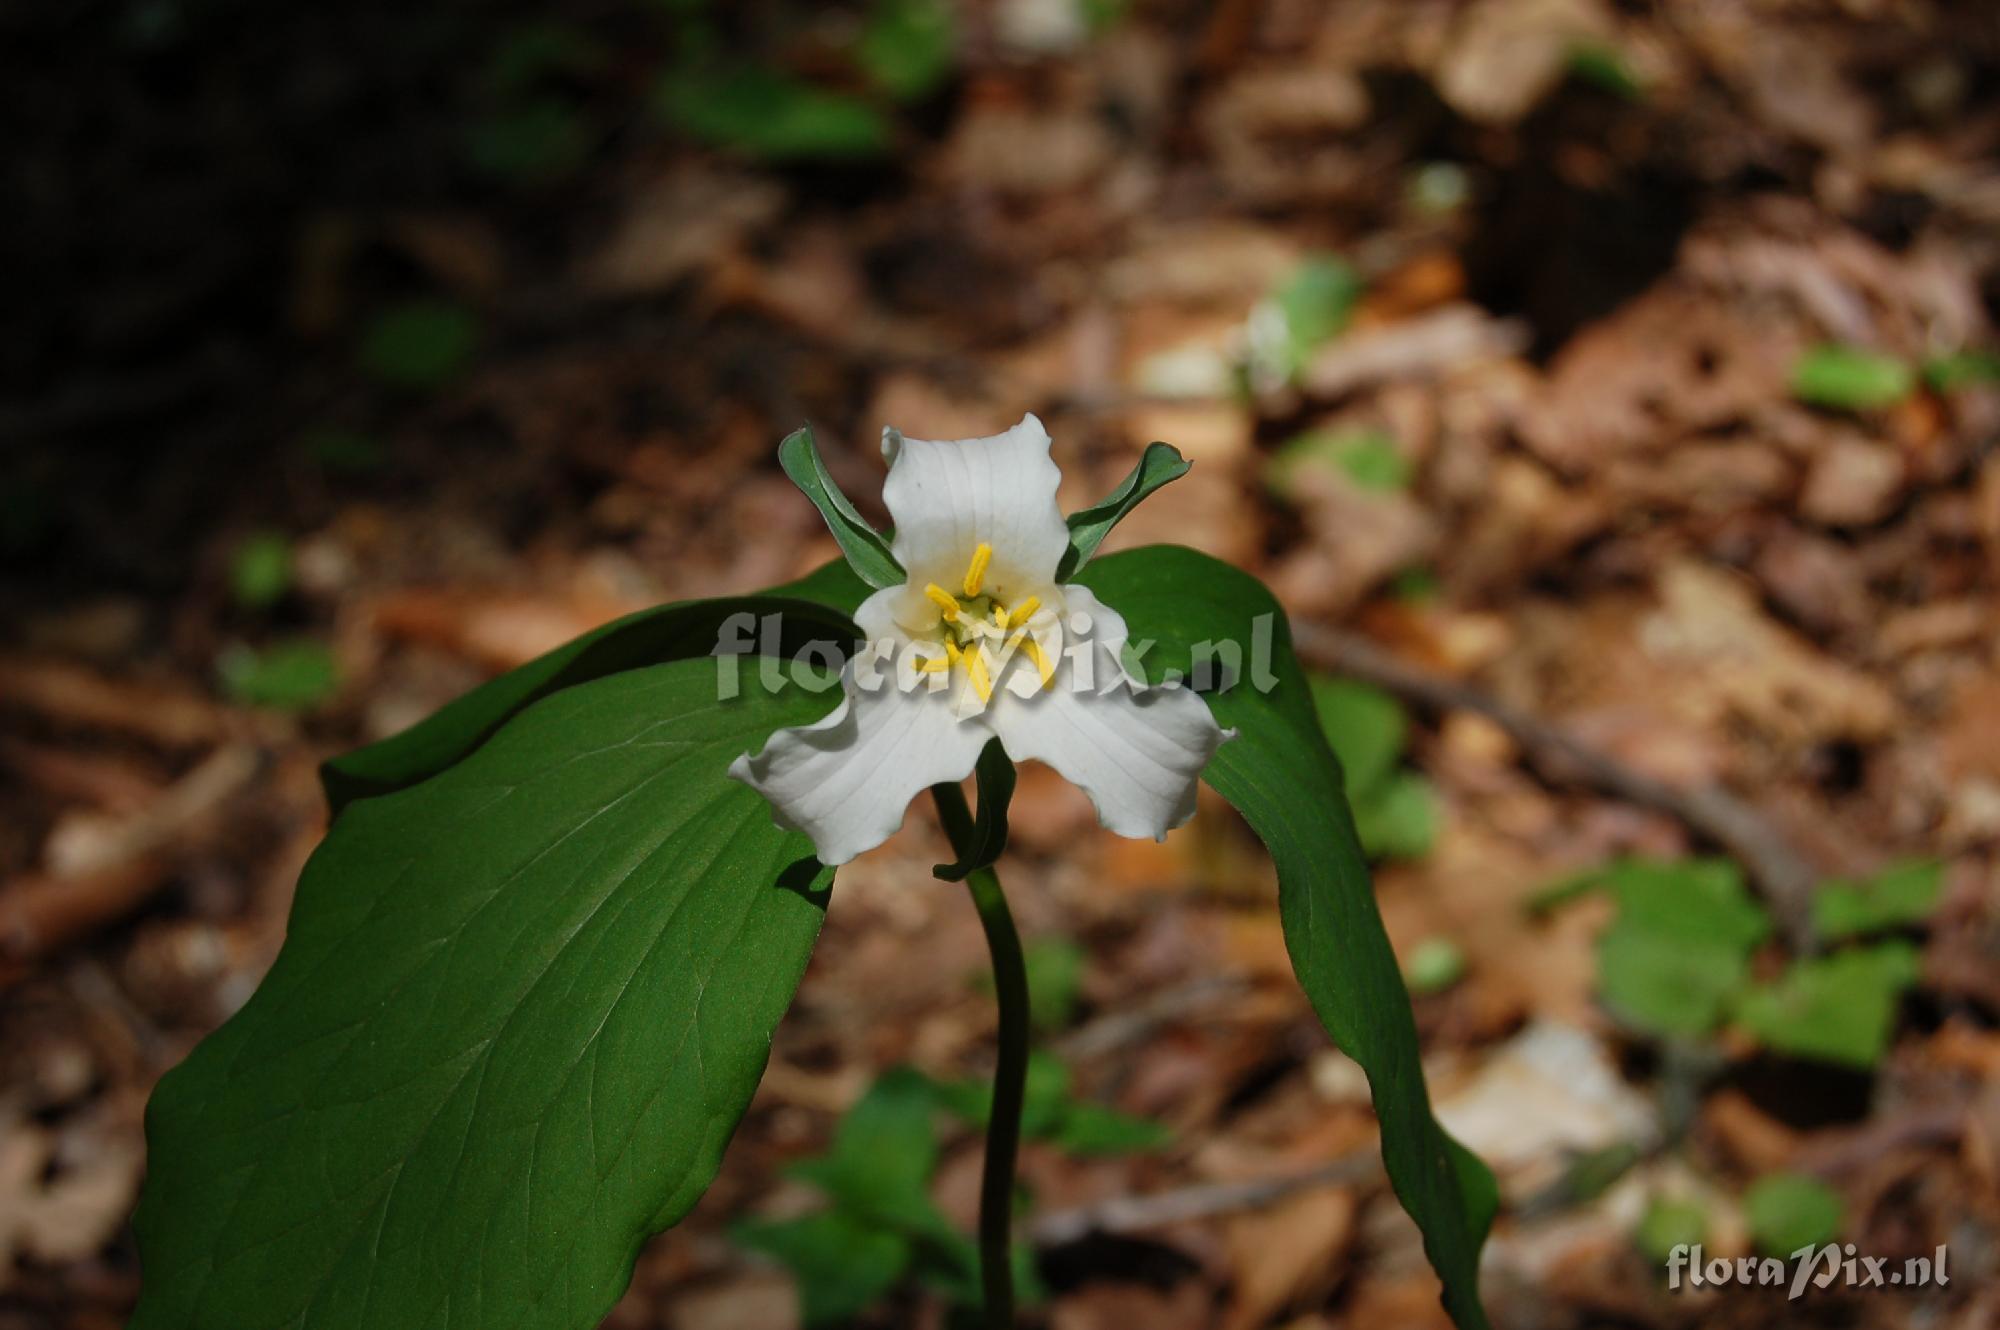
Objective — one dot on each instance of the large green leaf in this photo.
(519, 1011)
(1280, 774)
(810, 610)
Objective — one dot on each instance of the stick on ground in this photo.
(1711, 812)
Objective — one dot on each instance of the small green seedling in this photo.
(420, 344)
(1790, 1211)
(290, 676)
(880, 1229)
(1849, 378)
(1675, 961)
(1395, 809)
(1670, 1222)
(260, 571)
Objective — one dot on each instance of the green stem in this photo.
(1010, 1079)
(1010, 1076)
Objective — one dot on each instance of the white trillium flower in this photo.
(982, 642)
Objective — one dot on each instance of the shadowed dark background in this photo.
(1608, 387)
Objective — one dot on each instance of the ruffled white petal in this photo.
(847, 780)
(1138, 753)
(946, 496)
(1086, 618)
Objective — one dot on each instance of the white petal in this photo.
(1086, 618)
(895, 612)
(946, 496)
(846, 781)
(1138, 753)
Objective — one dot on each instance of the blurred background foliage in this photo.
(1608, 390)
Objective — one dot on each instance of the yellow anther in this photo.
(999, 615)
(933, 664)
(976, 574)
(1023, 612)
(943, 600)
(1037, 655)
(975, 670)
(952, 654)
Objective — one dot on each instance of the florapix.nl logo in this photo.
(1808, 1267)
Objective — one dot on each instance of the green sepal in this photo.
(863, 545)
(1159, 465)
(986, 835)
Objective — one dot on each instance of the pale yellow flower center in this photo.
(971, 621)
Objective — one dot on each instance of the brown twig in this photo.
(1921, 1126)
(1711, 812)
(1135, 1023)
(72, 695)
(41, 911)
(1425, 344)
(1136, 1214)
(93, 879)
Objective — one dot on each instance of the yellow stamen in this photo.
(975, 670)
(1023, 612)
(1036, 654)
(943, 600)
(933, 664)
(999, 615)
(952, 654)
(976, 574)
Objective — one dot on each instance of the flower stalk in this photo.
(1010, 1074)
(1010, 1078)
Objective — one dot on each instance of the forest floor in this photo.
(1608, 392)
